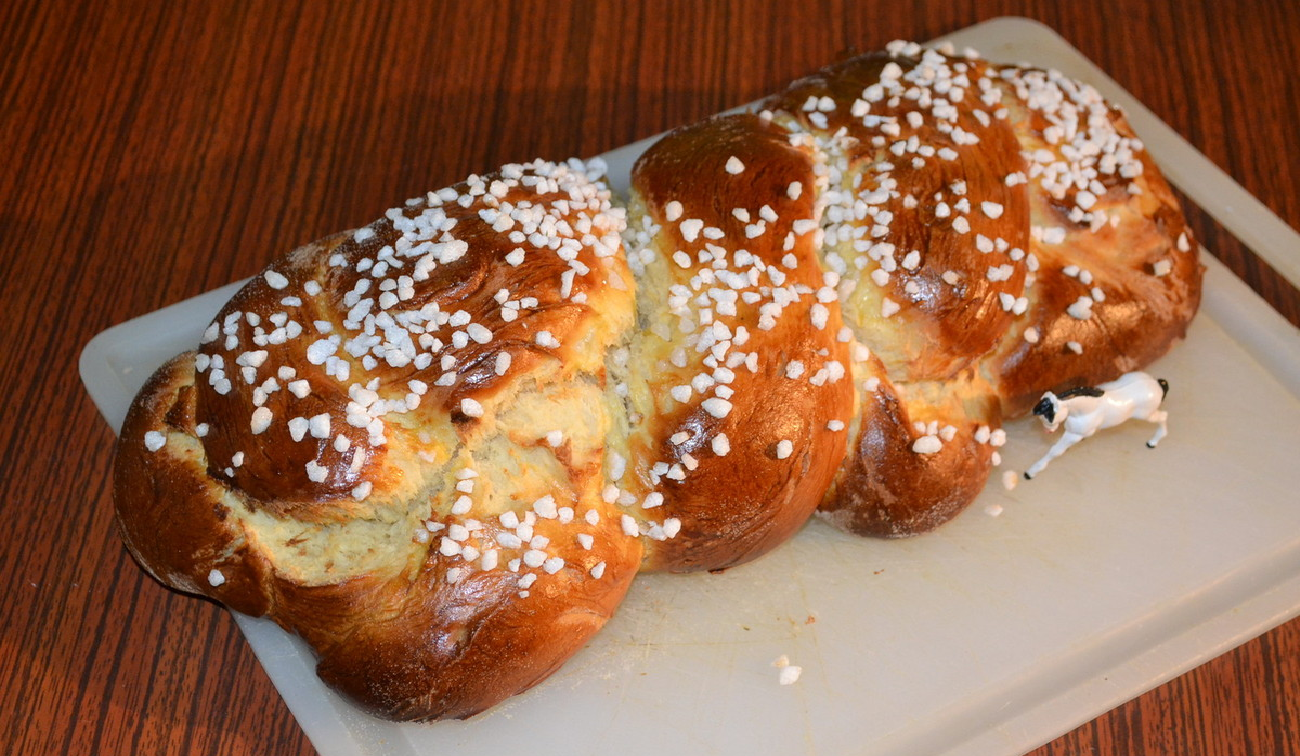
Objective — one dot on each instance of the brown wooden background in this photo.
(151, 151)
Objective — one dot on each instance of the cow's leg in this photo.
(1160, 418)
(1058, 448)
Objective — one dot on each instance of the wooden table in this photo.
(152, 151)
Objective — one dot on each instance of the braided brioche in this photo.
(440, 447)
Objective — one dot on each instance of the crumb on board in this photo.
(789, 673)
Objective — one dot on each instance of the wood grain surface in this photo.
(150, 151)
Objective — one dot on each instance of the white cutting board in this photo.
(1117, 569)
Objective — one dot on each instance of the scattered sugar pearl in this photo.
(927, 444)
(721, 445)
(991, 209)
(629, 526)
(789, 673)
(319, 425)
(784, 448)
(734, 166)
(819, 315)
(153, 440)
(275, 280)
(215, 578)
(1010, 480)
(471, 408)
(993, 510)
(716, 407)
(1081, 308)
(803, 226)
(298, 428)
(316, 473)
(672, 211)
(545, 507)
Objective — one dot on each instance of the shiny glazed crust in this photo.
(998, 232)
(725, 311)
(440, 447)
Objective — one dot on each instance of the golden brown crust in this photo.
(174, 521)
(440, 447)
(999, 230)
(404, 647)
(469, 553)
(1146, 307)
(940, 327)
(887, 488)
(431, 647)
(736, 286)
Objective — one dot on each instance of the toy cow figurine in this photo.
(1088, 409)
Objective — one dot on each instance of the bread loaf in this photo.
(440, 447)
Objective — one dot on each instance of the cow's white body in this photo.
(1132, 395)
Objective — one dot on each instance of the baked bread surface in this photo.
(999, 232)
(440, 447)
